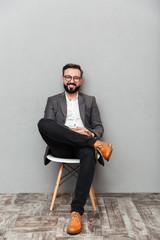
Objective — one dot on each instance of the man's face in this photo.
(72, 80)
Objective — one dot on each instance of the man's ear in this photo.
(80, 81)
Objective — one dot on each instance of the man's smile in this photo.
(71, 84)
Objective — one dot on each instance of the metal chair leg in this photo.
(56, 187)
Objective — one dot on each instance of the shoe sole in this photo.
(109, 154)
(74, 233)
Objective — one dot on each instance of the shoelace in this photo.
(100, 146)
(75, 214)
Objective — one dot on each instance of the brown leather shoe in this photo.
(105, 149)
(74, 226)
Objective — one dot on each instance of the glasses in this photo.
(68, 78)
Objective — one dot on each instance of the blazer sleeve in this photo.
(49, 112)
(96, 123)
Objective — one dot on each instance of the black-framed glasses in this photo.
(68, 78)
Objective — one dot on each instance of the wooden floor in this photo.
(118, 217)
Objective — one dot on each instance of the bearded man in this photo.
(72, 127)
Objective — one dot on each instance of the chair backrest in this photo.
(63, 160)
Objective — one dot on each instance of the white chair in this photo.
(71, 171)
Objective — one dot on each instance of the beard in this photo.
(71, 90)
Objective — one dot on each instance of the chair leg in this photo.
(56, 187)
(92, 196)
(93, 191)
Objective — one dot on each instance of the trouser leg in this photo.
(85, 177)
(60, 150)
(58, 133)
(67, 143)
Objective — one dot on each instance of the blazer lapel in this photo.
(63, 105)
(81, 107)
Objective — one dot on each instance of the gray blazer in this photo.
(56, 109)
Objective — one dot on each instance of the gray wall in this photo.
(117, 44)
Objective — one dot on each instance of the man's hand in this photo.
(82, 130)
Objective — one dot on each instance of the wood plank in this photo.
(33, 236)
(26, 224)
(149, 219)
(113, 212)
(104, 220)
(132, 219)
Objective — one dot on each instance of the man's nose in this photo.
(72, 81)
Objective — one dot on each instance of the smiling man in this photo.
(71, 128)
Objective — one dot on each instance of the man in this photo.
(71, 128)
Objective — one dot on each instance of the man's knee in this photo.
(88, 151)
(42, 124)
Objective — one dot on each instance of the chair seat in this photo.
(63, 160)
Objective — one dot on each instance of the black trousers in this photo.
(66, 143)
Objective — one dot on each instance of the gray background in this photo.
(117, 44)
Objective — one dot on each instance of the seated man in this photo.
(71, 128)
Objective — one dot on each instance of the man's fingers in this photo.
(81, 130)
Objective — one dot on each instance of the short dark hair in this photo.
(71, 65)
